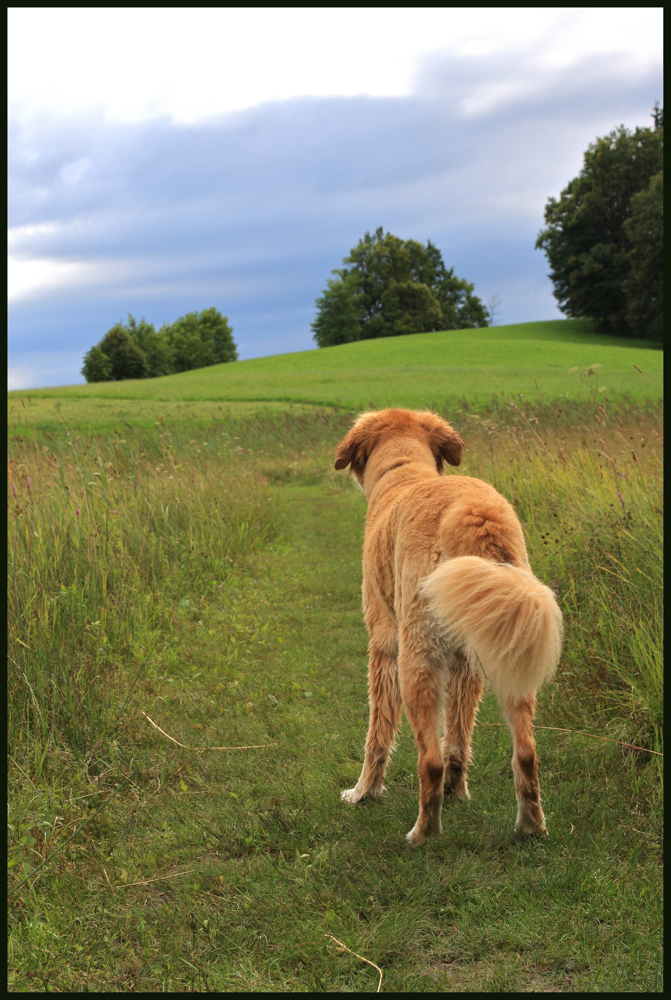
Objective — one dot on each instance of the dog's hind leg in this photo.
(464, 690)
(385, 715)
(519, 714)
(422, 687)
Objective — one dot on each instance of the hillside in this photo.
(432, 369)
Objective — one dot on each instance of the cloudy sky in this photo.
(164, 160)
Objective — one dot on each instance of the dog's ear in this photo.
(446, 445)
(354, 449)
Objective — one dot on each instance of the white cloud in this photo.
(188, 64)
(29, 277)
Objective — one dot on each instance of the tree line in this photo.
(137, 350)
(604, 234)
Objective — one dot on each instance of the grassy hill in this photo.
(533, 359)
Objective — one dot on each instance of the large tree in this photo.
(126, 359)
(156, 348)
(585, 238)
(644, 285)
(201, 339)
(389, 286)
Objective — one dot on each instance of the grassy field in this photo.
(532, 361)
(200, 567)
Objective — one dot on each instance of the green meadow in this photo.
(187, 682)
(530, 360)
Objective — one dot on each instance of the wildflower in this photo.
(77, 511)
(619, 497)
(13, 490)
(193, 480)
(28, 481)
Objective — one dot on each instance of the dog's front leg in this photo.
(385, 715)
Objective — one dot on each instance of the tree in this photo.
(585, 238)
(198, 340)
(126, 359)
(644, 286)
(138, 351)
(215, 327)
(389, 286)
(339, 316)
(189, 351)
(157, 349)
(97, 366)
(409, 307)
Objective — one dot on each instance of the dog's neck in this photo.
(398, 458)
(396, 466)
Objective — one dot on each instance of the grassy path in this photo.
(273, 862)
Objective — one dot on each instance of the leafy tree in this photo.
(339, 317)
(215, 327)
(409, 307)
(644, 286)
(156, 348)
(126, 359)
(188, 348)
(391, 286)
(585, 239)
(200, 339)
(97, 366)
(138, 351)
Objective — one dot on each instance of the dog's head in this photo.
(371, 429)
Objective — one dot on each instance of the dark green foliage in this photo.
(340, 316)
(214, 327)
(157, 348)
(409, 307)
(200, 339)
(126, 358)
(643, 286)
(189, 349)
(138, 351)
(394, 287)
(97, 366)
(585, 238)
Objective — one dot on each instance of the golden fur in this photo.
(450, 602)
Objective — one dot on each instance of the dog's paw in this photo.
(356, 794)
(351, 795)
(416, 837)
(526, 826)
(421, 833)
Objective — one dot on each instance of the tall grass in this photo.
(107, 541)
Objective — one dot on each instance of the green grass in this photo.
(529, 360)
(211, 580)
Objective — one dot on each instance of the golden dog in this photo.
(448, 597)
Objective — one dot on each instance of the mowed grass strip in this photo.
(532, 361)
(226, 607)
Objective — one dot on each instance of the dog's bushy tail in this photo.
(502, 616)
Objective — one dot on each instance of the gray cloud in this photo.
(251, 211)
